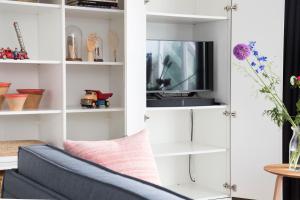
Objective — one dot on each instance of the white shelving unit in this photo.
(184, 136)
(211, 151)
(60, 115)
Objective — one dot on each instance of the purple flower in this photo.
(241, 51)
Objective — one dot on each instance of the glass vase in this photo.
(294, 150)
(73, 43)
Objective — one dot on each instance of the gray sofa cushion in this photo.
(77, 179)
(16, 186)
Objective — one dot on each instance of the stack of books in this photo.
(113, 4)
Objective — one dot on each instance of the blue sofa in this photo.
(45, 172)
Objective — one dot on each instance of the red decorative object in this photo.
(102, 96)
(95, 99)
(4, 84)
(6, 53)
(31, 91)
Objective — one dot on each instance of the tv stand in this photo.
(177, 100)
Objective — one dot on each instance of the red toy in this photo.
(102, 96)
(21, 56)
(95, 99)
(6, 54)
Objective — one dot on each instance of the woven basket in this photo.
(10, 148)
(1, 179)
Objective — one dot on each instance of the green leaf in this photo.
(298, 105)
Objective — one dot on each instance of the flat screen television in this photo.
(179, 66)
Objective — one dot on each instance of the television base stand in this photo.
(178, 101)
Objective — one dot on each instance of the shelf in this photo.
(183, 148)
(181, 18)
(98, 110)
(119, 64)
(187, 108)
(195, 191)
(29, 112)
(33, 62)
(26, 7)
(10, 162)
(76, 11)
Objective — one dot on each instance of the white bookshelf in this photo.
(60, 115)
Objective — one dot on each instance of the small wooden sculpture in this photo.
(113, 43)
(91, 46)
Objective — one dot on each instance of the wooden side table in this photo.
(280, 170)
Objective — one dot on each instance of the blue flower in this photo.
(252, 44)
(255, 53)
(253, 64)
(260, 69)
(263, 58)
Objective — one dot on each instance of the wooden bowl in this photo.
(16, 101)
(34, 97)
(3, 90)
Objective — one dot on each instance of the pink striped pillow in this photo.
(130, 155)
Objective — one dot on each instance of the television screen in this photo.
(179, 66)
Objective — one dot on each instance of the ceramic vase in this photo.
(3, 90)
(34, 97)
(16, 101)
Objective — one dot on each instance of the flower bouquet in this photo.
(259, 70)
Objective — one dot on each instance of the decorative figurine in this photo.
(113, 43)
(23, 53)
(96, 99)
(99, 50)
(15, 53)
(2, 53)
(91, 46)
(74, 43)
(8, 54)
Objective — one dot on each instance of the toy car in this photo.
(20, 55)
(95, 99)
